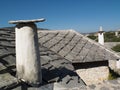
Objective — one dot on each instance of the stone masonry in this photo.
(94, 75)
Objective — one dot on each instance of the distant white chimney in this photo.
(116, 33)
(101, 36)
(27, 52)
(118, 64)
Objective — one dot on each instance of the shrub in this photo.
(116, 48)
(110, 37)
(92, 37)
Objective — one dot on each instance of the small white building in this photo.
(117, 33)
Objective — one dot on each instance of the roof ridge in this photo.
(101, 46)
(67, 30)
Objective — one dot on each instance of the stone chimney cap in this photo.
(27, 21)
(101, 31)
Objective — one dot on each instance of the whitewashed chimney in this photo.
(101, 36)
(118, 63)
(116, 33)
(27, 52)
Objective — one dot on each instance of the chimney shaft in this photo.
(101, 36)
(27, 52)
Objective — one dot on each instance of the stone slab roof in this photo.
(54, 67)
(58, 50)
(57, 69)
(75, 47)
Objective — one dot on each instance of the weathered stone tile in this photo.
(82, 55)
(104, 88)
(78, 59)
(118, 80)
(68, 66)
(57, 47)
(44, 62)
(64, 41)
(55, 57)
(69, 57)
(91, 55)
(71, 82)
(67, 48)
(6, 80)
(44, 87)
(42, 48)
(92, 86)
(113, 82)
(116, 87)
(46, 38)
(3, 32)
(42, 34)
(99, 55)
(50, 43)
(89, 58)
(11, 50)
(2, 67)
(3, 51)
(46, 58)
(7, 39)
(56, 63)
(48, 66)
(62, 53)
(52, 35)
(74, 54)
(51, 75)
(62, 34)
(75, 39)
(80, 45)
(70, 35)
(54, 40)
(10, 60)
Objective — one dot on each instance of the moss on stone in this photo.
(112, 75)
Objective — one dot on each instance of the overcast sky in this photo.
(81, 15)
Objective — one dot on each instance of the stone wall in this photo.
(113, 66)
(94, 75)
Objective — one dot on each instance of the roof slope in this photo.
(57, 50)
(57, 69)
(7, 58)
(54, 67)
(75, 47)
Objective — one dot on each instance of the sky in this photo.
(81, 15)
